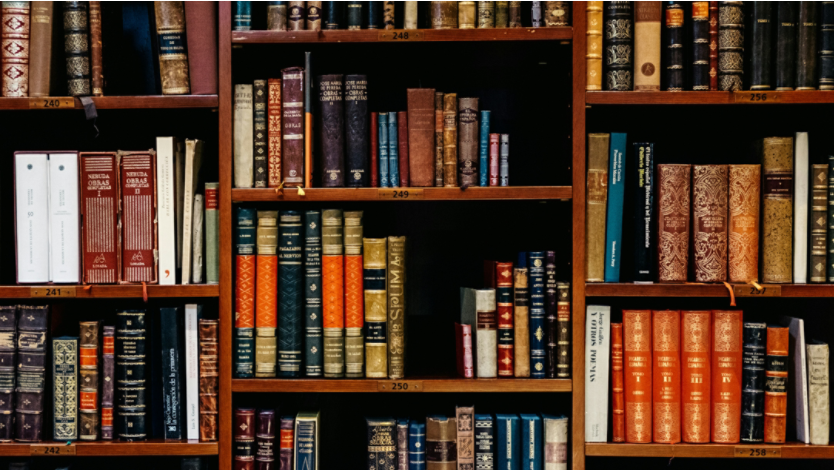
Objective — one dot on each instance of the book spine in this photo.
(486, 14)
(397, 307)
(241, 16)
(212, 233)
(450, 140)
(806, 60)
(439, 148)
(786, 23)
(97, 78)
(695, 376)
(8, 343)
(674, 46)
(596, 201)
(753, 381)
(99, 209)
(266, 301)
(244, 365)
(76, 47)
(444, 15)
(480, 309)
(556, 14)
(726, 376)
(819, 223)
(131, 382)
(536, 14)
(290, 254)
(354, 296)
(700, 46)
(306, 441)
(535, 261)
(31, 374)
(776, 385)
(292, 105)
(614, 220)
(374, 16)
(666, 372)
(376, 307)
(374, 149)
(463, 350)
(260, 151)
(508, 436)
(713, 46)
(244, 439)
(637, 365)
(332, 123)
(32, 217)
(276, 16)
(313, 319)
(356, 134)
(108, 359)
(673, 222)
(531, 437)
(441, 450)
(202, 47)
(297, 18)
(550, 320)
(494, 159)
(597, 356)
(709, 224)
(265, 440)
(830, 218)
(402, 142)
(173, 57)
(555, 442)
(644, 215)
(64, 220)
(314, 15)
(402, 436)
(826, 46)
(593, 45)
(483, 150)
(777, 210)
(308, 120)
(393, 151)
(388, 15)
(818, 398)
(88, 403)
(416, 446)
(744, 200)
(504, 300)
(617, 44)
(502, 14)
(730, 46)
(484, 441)
(333, 295)
(192, 371)
(138, 204)
(800, 209)
(421, 136)
(617, 399)
(761, 20)
(647, 17)
(171, 375)
(465, 436)
(563, 331)
(167, 210)
(384, 180)
(287, 439)
(354, 15)
(65, 377)
(466, 15)
(209, 379)
(40, 48)
(244, 137)
(504, 161)
(521, 318)
(468, 142)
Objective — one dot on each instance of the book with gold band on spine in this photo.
(354, 298)
(333, 302)
(396, 307)
(290, 255)
(266, 300)
(313, 321)
(376, 307)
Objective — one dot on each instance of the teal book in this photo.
(508, 442)
(393, 151)
(307, 441)
(531, 436)
(65, 385)
(241, 16)
(614, 221)
(212, 218)
(483, 149)
(384, 182)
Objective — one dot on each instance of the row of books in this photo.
(442, 140)
(703, 376)
(116, 217)
(183, 463)
(718, 209)
(101, 377)
(726, 46)
(146, 31)
(342, 305)
(313, 16)
(519, 324)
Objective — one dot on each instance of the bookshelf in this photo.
(448, 35)
(405, 194)
(151, 447)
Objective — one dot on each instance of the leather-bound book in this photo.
(777, 210)
(700, 46)
(666, 372)
(468, 142)
(273, 150)
(818, 397)
(393, 150)
(244, 430)
(245, 277)
(617, 390)
(502, 14)
(674, 37)
(354, 296)
(388, 15)
(515, 14)
(478, 311)
(819, 223)
(308, 119)
(753, 381)
(396, 306)
(830, 218)
(333, 294)
(439, 125)
(375, 149)
(744, 182)
(521, 318)
(593, 46)
(265, 440)
(463, 351)
(290, 304)
(536, 14)
(88, 409)
(465, 436)
(244, 176)
(40, 48)
(65, 377)
(494, 159)
(713, 46)
(695, 376)
(596, 201)
(644, 213)
(266, 302)
(402, 431)
(486, 14)
(313, 320)
(297, 18)
(508, 437)
(384, 181)
(801, 195)
(730, 46)
(108, 357)
(292, 167)
(287, 439)
(77, 48)
(504, 161)
(138, 206)
(563, 334)
(637, 342)
(332, 125)
(16, 51)
(450, 140)
(726, 376)
(332, 13)
(99, 209)
(8, 346)
(209, 379)
(382, 444)
(242, 16)
(417, 445)
(402, 147)
(355, 15)
(97, 76)
(787, 15)
(618, 46)
(313, 15)
(776, 385)
(556, 14)
(761, 53)
(806, 57)
(376, 306)
(673, 222)
(421, 134)
(551, 322)
(131, 375)
(260, 136)
(31, 371)
(173, 55)
(441, 450)
(485, 445)
(276, 16)
(356, 134)
(504, 302)
(826, 47)
(709, 224)
(375, 15)
(647, 46)
(466, 15)
(535, 261)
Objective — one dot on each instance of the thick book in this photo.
(108, 359)
(444, 15)
(306, 445)
(192, 371)
(593, 44)
(485, 445)
(617, 387)
(463, 350)
(173, 53)
(818, 221)
(393, 150)
(88, 386)
(8, 346)
(209, 379)
(776, 385)
(647, 17)
(695, 375)
(29, 382)
(486, 14)
(709, 222)
(297, 16)
(259, 133)
(441, 450)
(64, 219)
(826, 47)
(375, 272)
(313, 320)
(31, 186)
(244, 143)
(382, 145)
(333, 285)
(508, 435)
(787, 14)
(617, 46)
(172, 383)
(727, 340)
(800, 209)
(77, 48)
(274, 112)
(713, 46)
(644, 212)
(673, 45)
(131, 375)
(286, 442)
(536, 261)
(42, 25)
(666, 374)
(332, 124)
(761, 53)
(450, 140)
(478, 311)
(521, 317)
(265, 440)
(555, 442)
(290, 301)
(614, 220)
(468, 142)
(673, 222)
(139, 216)
(730, 46)
(212, 233)
(245, 272)
(753, 382)
(700, 46)
(806, 38)
(777, 210)
(465, 436)
(65, 383)
(743, 226)
(596, 200)
(421, 135)
(416, 445)
(504, 303)
(439, 125)
(243, 435)
(266, 289)
(99, 213)
(484, 149)
(16, 51)
(397, 307)
(357, 147)
(797, 382)
(597, 357)
(532, 436)
(637, 359)
(193, 164)
(292, 148)
(354, 296)
(201, 43)
(819, 401)
(402, 444)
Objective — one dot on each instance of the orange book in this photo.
(726, 376)
(266, 280)
(333, 301)
(245, 295)
(354, 292)
(776, 383)
(695, 376)
(637, 346)
(617, 381)
(666, 372)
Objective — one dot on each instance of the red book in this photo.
(138, 180)
(273, 161)
(637, 342)
(494, 159)
(726, 376)
(695, 376)
(504, 300)
(374, 150)
(201, 37)
(402, 135)
(463, 349)
(617, 382)
(99, 212)
(666, 371)
(490, 268)
(713, 46)
(776, 385)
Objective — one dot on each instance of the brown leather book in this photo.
(297, 16)
(441, 449)
(673, 222)
(596, 203)
(777, 210)
(450, 140)
(695, 376)
(709, 224)
(647, 46)
(40, 48)
(468, 142)
(201, 33)
(617, 390)
(402, 143)
(556, 14)
(637, 342)
(421, 134)
(726, 376)
(15, 53)
(776, 385)
(209, 379)
(273, 152)
(593, 46)
(88, 409)
(744, 182)
(97, 76)
(486, 15)
(466, 15)
(666, 371)
(292, 99)
(388, 15)
(819, 222)
(515, 15)
(444, 15)
(173, 57)
(438, 139)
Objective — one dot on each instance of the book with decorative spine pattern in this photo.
(313, 318)
(354, 296)
(333, 300)
(266, 301)
(290, 304)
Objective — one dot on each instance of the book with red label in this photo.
(618, 406)
(666, 371)
(138, 205)
(88, 410)
(776, 385)
(504, 298)
(463, 350)
(99, 215)
(726, 376)
(695, 376)
(637, 372)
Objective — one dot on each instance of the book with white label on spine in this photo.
(192, 371)
(818, 392)
(597, 371)
(64, 221)
(32, 216)
(477, 307)
(197, 241)
(243, 138)
(800, 209)
(797, 382)
(166, 202)
(193, 162)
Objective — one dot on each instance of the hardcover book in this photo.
(376, 307)
(374, 150)
(172, 383)
(260, 154)
(776, 385)
(695, 375)
(484, 149)
(173, 55)
(313, 312)
(274, 110)
(192, 370)
(800, 209)
(468, 142)
(797, 382)
(88, 403)
(713, 46)
(463, 351)
(484, 441)
(245, 273)
(99, 212)
(209, 379)
(266, 302)
(290, 303)
(508, 435)
(441, 450)
(287, 442)
(393, 151)
(354, 296)
(777, 210)
(637, 342)
(744, 183)
(617, 389)
(730, 46)
(807, 32)
(614, 220)
(666, 372)
(552, 321)
(32, 217)
(753, 383)
(265, 440)
(439, 127)
(597, 356)
(521, 318)
(450, 140)
(818, 397)
(478, 311)
(709, 222)
(244, 439)
(396, 307)
(108, 357)
(819, 223)
(596, 200)
(726, 376)
(504, 301)
(531, 436)
(356, 133)
(40, 47)
(382, 443)
(77, 48)
(700, 46)
(190, 228)
(421, 134)
(673, 54)
(402, 142)
(139, 216)
(332, 124)
(402, 444)
(555, 442)
(826, 47)
(31, 371)
(244, 137)
(647, 46)
(201, 46)
(787, 14)
(382, 145)
(465, 438)
(297, 18)
(535, 259)
(307, 429)
(333, 294)
(64, 221)
(673, 222)
(169, 206)
(16, 51)
(593, 44)
(761, 20)
(212, 233)
(131, 378)
(65, 383)
(292, 98)
(8, 346)
(644, 213)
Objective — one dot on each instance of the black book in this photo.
(644, 217)
(172, 337)
(806, 56)
(673, 57)
(8, 340)
(550, 320)
(752, 382)
(786, 17)
(356, 132)
(355, 14)
(334, 15)
(332, 125)
(374, 15)
(131, 375)
(260, 138)
(32, 330)
(618, 46)
(761, 47)
(700, 46)
(827, 47)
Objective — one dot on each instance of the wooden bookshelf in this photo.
(427, 384)
(435, 35)
(701, 290)
(708, 97)
(793, 450)
(404, 194)
(149, 448)
(100, 291)
(115, 102)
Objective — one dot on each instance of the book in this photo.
(777, 210)
(293, 119)
(297, 17)
(333, 294)
(504, 303)
(139, 216)
(290, 302)
(244, 136)
(521, 318)
(260, 166)
(555, 442)
(593, 46)
(596, 200)
(167, 205)
(826, 47)
(465, 436)
(502, 14)
(556, 14)
(99, 214)
(818, 398)
(504, 161)
(806, 38)
(192, 371)
(553, 323)
(700, 46)
(666, 373)
(193, 165)
(397, 307)
(644, 213)
(402, 443)
(76, 48)
(374, 149)
(313, 320)
(785, 39)
(274, 112)
(637, 371)
(287, 442)
(536, 14)
(797, 381)
(441, 450)
(31, 188)
(65, 383)
(744, 200)
(88, 371)
(531, 436)
(173, 55)
(306, 445)
(485, 446)
(800, 209)
(486, 14)
(444, 15)
(245, 274)
(375, 277)
(241, 16)
(818, 223)
(713, 46)
(727, 340)
(266, 301)
(8, 347)
(29, 381)
(131, 377)
(209, 379)
(439, 128)
(730, 46)
(478, 311)
(356, 122)
(421, 136)
(96, 77)
(172, 383)
(212, 233)
(265, 439)
(695, 375)
(355, 15)
(393, 151)
(761, 53)
(16, 56)
(416, 446)
(597, 353)
(776, 385)
(331, 117)
(617, 390)
(402, 142)
(108, 359)
(138, 52)
(830, 219)
(508, 434)
(614, 220)
(494, 159)
(450, 140)
(382, 443)
(673, 53)
(41, 28)
(243, 435)
(673, 222)
(753, 382)
(314, 14)
(647, 46)
(384, 177)
(354, 296)
(202, 47)
(515, 14)
(709, 222)
(484, 149)
(468, 142)
(463, 350)
(536, 263)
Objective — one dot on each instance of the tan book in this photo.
(777, 210)
(521, 323)
(647, 46)
(376, 307)
(466, 15)
(396, 307)
(450, 140)
(593, 46)
(444, 15)
(40, 48)
(745, 197)
(596, 201)
(173, 58)
(441, 434)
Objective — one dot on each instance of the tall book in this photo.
(441, 451)
(245, 274)
(374, 165)
(439, 124)
(787, 14)
(617, 31)
(108, 359)
(131, 377)
(673, 222)
(65, 383)
(777, 210)
(551, 321)
(274, 110)
(617, 390)
(290, 303)
(531, 435)
(244, 137)
(297, 15)
(402, 142)
(99, 212)
(397, 306)
(485, 445)
(209, 379)
(521, 318)
(730, 46)
(478, 311)
(596, 200)
(727, 343)
(700, 46)
(421, 136)
(197, 256)
(313, 319)
(266, 301)
(382, 145)
(484, 149)
(292, 118)
(761, 64)
(260, 136)
(393, 150)
(193, 164)
(167, 205)
(402, 443)
(465, 436)
(709, 222)
(819, 223)
(818, 397)
(644, 213)
(331, 117)
(614, 220)
(535, 261)
(647, 17)
(307, 430)
(31, 188)
(743, 226)
(695, 375)
(508, 435)
(265, 439)
(287, 442)
(806, 38)
(713, 46)
(29, 382)
(42, 16)
(555, 442)
(77, 48)
(173, 55)
(536, 14)
(8, 346)
(212, 198)
(416, 446)
(468, 142)
(637, 358)
(139, 216)
(333, 293)
(314, 14)
(357, 147)
(64, 221)
(172, 384)
(800, 209)
(450, 140)
(776, 385)
(830, 220)
(202, 47)
(673, 42)
(753, 382)
(597, 356)
(243, 434)
(192, 371)
(88, 360)
(826, 47)
(504, 302)
(797, 381)
(354, 296)
(375, 275)
(382, 443)
(666, 373)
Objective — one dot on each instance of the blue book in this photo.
(416, 446)
(483, 155)
(306, 441)
(242, 16)
(538, 341)
(531, 436)
(508, 438)
(393, 151)
(171, 332)
(290, 296)
(313, 313)
(484, 442)
(384, 182)
(614, 221)
(244, 339)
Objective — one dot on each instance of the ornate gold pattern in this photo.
(666, 331)
(725, 422)
(709, 208)
(696, 332)
(744, 222)
(696, 422)
(674, 222)
(638, 422)
(638, 328)
(727, 335)
(667, 422)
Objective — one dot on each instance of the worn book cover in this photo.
(745, 197)
(776, 385)
(673, 222)
(777, 210)
(709, 222)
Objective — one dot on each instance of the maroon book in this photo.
(402, 135)
(374, 150)
(138, 182)
(463, 348)
(201, 37)
(494, 160)
(243, 434)
(99, 212)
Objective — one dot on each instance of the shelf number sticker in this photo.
(400, 194)
(52, 102)
(747, 290)
(757, 97)
(400, 35)
(761, 452)
(393, 386)
(51, 450)
(52, 292)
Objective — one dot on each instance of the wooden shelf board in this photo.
(791, 450)
(429, 384)
(151, 447)
(115, 291)
(702, 98)
(428, 194)
(625, 289)
(128, 102)
(372, 35)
